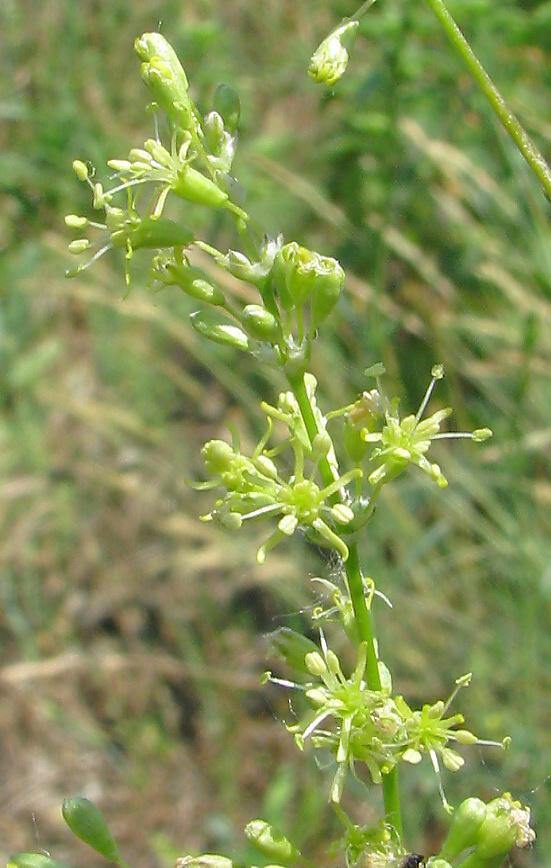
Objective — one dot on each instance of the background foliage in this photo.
(132, 636)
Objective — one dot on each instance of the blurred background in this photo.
(133, 636)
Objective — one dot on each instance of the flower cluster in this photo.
(374, 419)
(298, 287)
(373, 727)
(255, 488)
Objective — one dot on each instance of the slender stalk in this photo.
(511, 124)
(362, 615)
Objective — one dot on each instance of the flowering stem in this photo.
(511, 124)
(362, 615)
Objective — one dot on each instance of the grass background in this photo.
(132, 636)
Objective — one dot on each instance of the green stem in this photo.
(511, 124)
(362, 614)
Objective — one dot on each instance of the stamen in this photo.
(312, 726)
(426, 399)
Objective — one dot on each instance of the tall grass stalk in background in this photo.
(315, 472)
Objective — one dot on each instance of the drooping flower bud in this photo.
(88, 823)
(218, 329)
(270, 842)
(330, 59)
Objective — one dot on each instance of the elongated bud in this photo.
(315, 664)
(196, 187)
(293, 647)
(192, 280)
(270, 842)
(482, 434)
(88, 823)
(34, 860)
(259, 323)
(464, 828)
(327, 291)
(165, 77)
(227, 104)
(73, 221)
(151, 45)
(81, 170)
(330, 59)
(217, 329)
(213, 127)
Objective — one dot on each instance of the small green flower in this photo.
(122, 228)
(373, 727)
(256, 489)
(405, 441)
(171, 171)
(330, 59)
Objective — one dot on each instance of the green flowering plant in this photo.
(318, 472)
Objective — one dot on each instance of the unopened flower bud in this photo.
(270, 842)
(73, 221)
(217, 329)
(192, 280)
(300, 274)
(464, 828)
(463, 736)
(88, 823)
(333, 663)
(151, 234)
(231, 520)
(451, 759)
(227, 104)
(79, 246)
(81, 170)
(482, 434)
(213, 127)
(315, 664)
(260, 323)
(164, 75)
(196, 187)
(330, 59)
(217, 455)
(266, 466)
(321, 445)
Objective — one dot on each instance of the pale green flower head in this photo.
(329, 61)
(405, 441)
